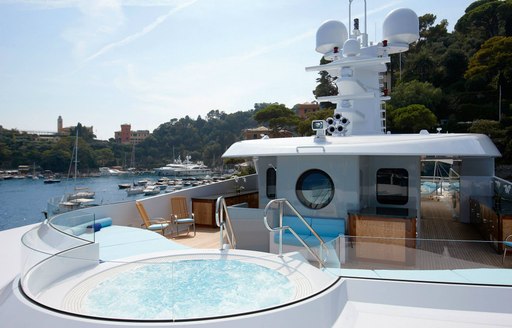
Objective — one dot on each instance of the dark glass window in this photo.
(315, 189)
(392, 186)
(271, 183)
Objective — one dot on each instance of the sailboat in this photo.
(80, 197)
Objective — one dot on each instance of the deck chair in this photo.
(180, 215)
(155, 224)
(507, 244)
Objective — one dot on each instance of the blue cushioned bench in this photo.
(327, 228)
(81, 227)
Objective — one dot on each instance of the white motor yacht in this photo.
(332, 230)
(185, 168)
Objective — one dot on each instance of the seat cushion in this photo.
(289, 239)
(296, 224)
(184, 220)
(312, 241)
(158, 226)
(328, 227)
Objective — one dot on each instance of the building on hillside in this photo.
(61, 130)
(260, 132)
(303, 110)
(127, 136)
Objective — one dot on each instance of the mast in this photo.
(359, 71)
(132, 159)
(76, 154)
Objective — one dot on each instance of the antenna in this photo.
(356, 24)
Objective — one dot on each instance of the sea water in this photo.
(22, 201)
(188, 289)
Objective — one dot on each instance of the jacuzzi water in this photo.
(188, 289)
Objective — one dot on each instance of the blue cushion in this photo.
(78, 230)
(289, 239)
(97, 227)
(296, 224)
(158, 226)
(507, 243)
(312, 241)
(328, 227)
(105, 222)
(184, 220)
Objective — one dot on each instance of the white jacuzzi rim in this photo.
(320, 281)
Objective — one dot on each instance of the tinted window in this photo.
(392, 186)
(271, 183)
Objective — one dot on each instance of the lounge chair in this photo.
(180, 215)
(155, 224)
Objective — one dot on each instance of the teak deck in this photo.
(442, 245)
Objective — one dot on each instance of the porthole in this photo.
(315, 189)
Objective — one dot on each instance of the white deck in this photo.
(349, 303)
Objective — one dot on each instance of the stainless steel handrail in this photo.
(280, 228)
(220, 209)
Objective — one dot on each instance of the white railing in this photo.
(226, 228)
(280, 202)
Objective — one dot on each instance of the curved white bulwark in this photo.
(442, 144)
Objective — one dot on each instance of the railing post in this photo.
(219, 218)
(281, 202)
(281, 230)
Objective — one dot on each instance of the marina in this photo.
(17, 193)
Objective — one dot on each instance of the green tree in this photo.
(416, 92)
(56, 159)
(326, 86)
(278, 117)
(491, 65)
(485, 19)
(490, 128)
(411, 119)
(83, 132)
(304, 126)
(105, 157)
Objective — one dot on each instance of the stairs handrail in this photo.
(224, 225)
(281, 228)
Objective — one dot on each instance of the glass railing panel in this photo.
(80, 224)
(155, 285)
(427, 260)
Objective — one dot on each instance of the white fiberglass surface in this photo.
(187, 289)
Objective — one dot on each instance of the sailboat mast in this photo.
(76, 154)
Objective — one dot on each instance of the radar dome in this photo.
(329, 35)
(401, 26)
(351, 47)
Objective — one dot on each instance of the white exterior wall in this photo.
(369, 173)
(343, 171)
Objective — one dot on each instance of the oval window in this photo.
(315, 189)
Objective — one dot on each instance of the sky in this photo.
(104, 63)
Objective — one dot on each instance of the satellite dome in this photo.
(401, 26)
(329, 35)
(351, 47)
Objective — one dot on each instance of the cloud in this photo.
(55, 4)
(99, 21)
(275, 46)
(147, 29)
